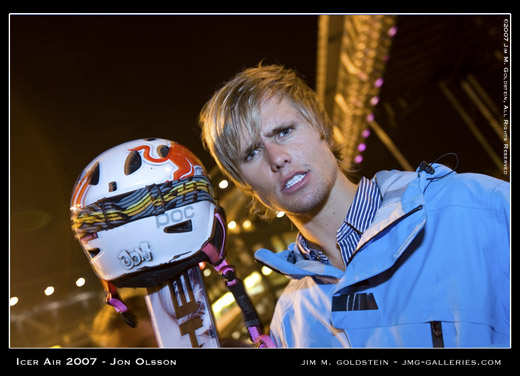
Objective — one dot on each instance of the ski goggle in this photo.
(151, 200)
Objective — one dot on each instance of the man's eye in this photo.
(285, 132)
(251, 155)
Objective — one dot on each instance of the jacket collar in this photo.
(403, 203)
(401, 217)
(293, 265)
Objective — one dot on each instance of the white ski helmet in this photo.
(145, 210)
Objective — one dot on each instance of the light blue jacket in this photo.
(433, 269)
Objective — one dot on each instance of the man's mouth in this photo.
(295, 179)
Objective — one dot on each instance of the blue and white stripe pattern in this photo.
(361, 213)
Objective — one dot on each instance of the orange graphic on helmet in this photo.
(184, 160)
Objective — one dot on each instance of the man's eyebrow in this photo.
(272, 132)
(279, 128)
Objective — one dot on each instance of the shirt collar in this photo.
(363, 207)
(308, 252)
(360, 214)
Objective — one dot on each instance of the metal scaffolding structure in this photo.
(439, 74)
(351, 55)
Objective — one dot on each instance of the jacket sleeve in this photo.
(500, 201)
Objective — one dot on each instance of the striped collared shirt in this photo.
(360, 214)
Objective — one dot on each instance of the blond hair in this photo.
(234, 110)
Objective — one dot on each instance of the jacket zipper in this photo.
(437, 337)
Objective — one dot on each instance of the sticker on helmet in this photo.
(174, 154)
(174, 216)
(130, 259)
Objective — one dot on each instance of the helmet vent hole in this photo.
(93, 252)
(179, 228)
(163, 150)
(112, 186)
(93, 178)
(133, 162)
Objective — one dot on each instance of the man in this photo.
(411, 259)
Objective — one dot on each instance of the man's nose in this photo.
(278, 156)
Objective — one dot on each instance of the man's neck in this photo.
(320, 226)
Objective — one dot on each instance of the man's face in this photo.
(290, 168)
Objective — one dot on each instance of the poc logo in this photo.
(174, 216)
(130, 259)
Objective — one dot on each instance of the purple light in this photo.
(362, 147)
(358, 159)
(378, 82)
(370, 117)
(374, 100)
(392, 31)
(366, 133)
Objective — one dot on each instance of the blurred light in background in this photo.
(247, 224)
(224, 301)
(232, 225)
(49, 290)
(266, 270)
(223, 184)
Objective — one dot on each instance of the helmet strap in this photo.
(251, 319)
(113, 299)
